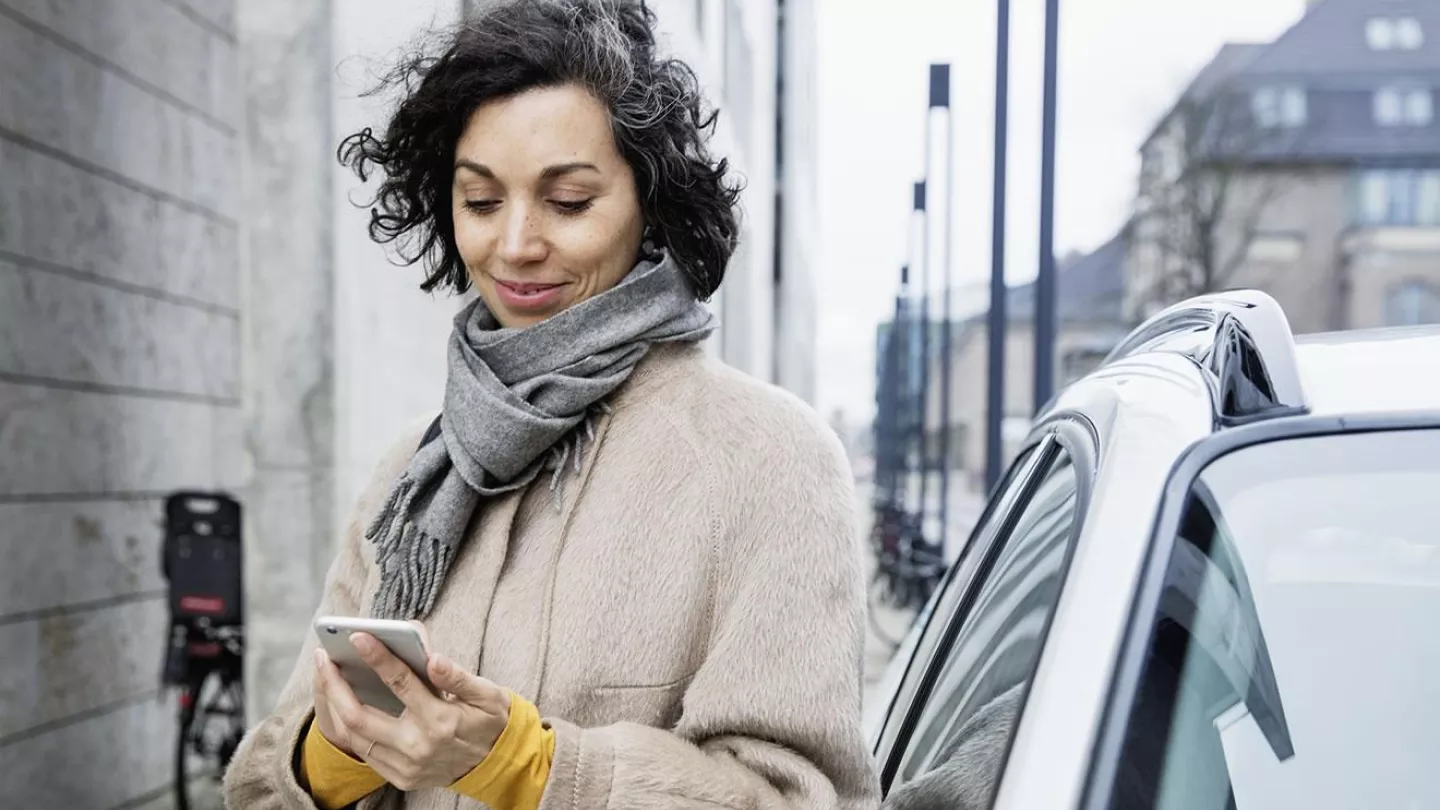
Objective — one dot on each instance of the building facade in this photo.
(1308, 167)
(189, 300)
(122, 326)
(757, 61)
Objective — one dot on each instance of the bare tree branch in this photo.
(1202, 196)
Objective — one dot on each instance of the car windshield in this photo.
(1294, 660)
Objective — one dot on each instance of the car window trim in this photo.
(1060, 432)
(1135, 642)
(915, 689)
(1077, 436)
(1007, 490)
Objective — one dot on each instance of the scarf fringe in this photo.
(412, 563)
(572, 449)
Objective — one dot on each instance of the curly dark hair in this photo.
(661, 124)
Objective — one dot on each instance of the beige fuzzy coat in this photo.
(690, 621)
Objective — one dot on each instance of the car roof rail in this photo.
(1242, 338)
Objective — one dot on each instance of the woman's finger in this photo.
(467, 687)
(396, 768)
(354, 717)
(397, 675)
(320, 661)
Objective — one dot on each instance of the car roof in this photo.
(1256, 369)
(1370, 371)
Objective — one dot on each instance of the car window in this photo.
(956, 754)
(921, 647)
(1292, 653)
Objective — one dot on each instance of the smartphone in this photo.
(401, 638)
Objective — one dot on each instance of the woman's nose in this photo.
(523, 241)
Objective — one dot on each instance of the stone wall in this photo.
(289, 329)
(120, 380)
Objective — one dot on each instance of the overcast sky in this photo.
(1121, 64)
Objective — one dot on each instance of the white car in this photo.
(1211, 580)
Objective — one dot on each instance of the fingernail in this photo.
(319, 659)
(361, 643)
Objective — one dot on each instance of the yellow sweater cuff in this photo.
(514, 774)
(335, 779)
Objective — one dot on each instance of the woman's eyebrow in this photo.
(548, 173)
(478, 168)
(558, 170)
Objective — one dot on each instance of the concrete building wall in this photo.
(796, 317)
(390, 336)
(345, 350)
(120, 380)
(767, 322)
(1293, 253)
(290, 407)
(1378, 262)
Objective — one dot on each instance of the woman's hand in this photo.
(438, 738)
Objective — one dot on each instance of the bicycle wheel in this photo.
(182, 748)
(887, 623)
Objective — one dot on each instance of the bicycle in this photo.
(201, 560)
(211, 704)
(907, 570)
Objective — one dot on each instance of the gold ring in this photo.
(368, 749)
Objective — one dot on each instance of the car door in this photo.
(946, 745)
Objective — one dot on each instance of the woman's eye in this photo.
(571, 206)
(481, 206)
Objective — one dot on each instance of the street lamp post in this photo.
(920, 250)
(940, 108)
(995, 322)
(1045, 325)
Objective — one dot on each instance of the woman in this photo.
(611, 531)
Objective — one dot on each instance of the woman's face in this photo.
(546, 212)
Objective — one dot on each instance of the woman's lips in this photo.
(524, 297)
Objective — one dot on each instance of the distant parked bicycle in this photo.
(206, 655)
(908, 568)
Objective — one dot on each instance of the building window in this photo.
(1419, 107)
(1380, 34)
(1412, 303)
(1404, 106)
(1406, 197)
(1279, 106)
(1390, 33)
(1409, 36)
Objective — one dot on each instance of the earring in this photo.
(648, 248)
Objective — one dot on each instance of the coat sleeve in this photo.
(772, 717)
(262, 775)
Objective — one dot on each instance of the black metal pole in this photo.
(923, 443)
(995, 362)
(890, 445)
(1045, 278)
(905, 389)
(940, 99)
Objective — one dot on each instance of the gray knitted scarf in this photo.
(519, 402)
